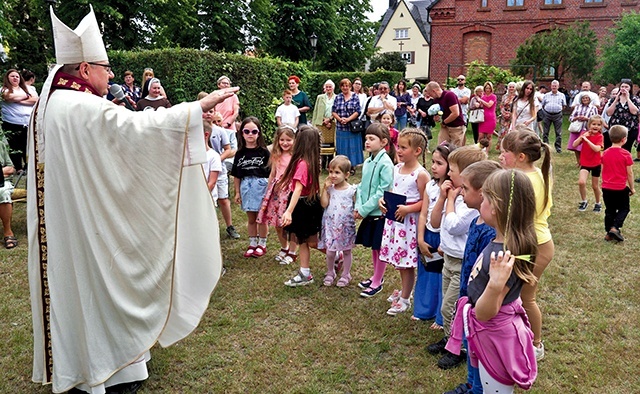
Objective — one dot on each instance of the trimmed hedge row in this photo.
(185, 72)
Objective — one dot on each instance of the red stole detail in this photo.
(69, 82)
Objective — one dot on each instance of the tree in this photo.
(621, 54)
(570, 50)
(223, 24)
(345, 36)
(390, 61)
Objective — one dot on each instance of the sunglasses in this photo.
(247, 131)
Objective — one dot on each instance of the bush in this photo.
(185, 72)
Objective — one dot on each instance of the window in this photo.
(408, 57)
(484, 3)
(593, 1)
(515, 3)
(552, 2)
(402, 33)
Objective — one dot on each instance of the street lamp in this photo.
(313, 40)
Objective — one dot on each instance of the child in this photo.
(453, 219)
(221, 143)
(274, 201)
(520, 150)
(400, 236)
(377, 176)
(480, 235)
(251, 171)
(287, 113)
(388, 119)
(427, 296)
(213, 166)
(617, 183)
(338, 224)
(303, 216)
(498, 331)
(590, 161)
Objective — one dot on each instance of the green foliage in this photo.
(621, 54)
(569, 51)
(345, 37)
(391, 61)
(185, 72)
(478, 73)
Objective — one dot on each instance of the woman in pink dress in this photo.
(488, 101)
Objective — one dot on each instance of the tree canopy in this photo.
(390, 61)
(570, 50)
(621, 54)
(279, 28)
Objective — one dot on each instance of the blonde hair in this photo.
(466, 155)
(416, 138)
(477, 173)
(617, 133)
(276, 151)
(593, 119)
(341, 162)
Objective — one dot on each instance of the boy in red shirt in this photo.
(590, 160)
(617, 183)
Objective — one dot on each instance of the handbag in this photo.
(576, 126)
(357, 126)
(476, 115)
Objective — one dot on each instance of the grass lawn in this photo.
(260, 336)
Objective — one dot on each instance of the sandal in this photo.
(343, 281)
(10, 242)
(328, 279)
(436, 327)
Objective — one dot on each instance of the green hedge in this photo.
(185, 72)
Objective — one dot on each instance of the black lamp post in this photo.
(313, 40)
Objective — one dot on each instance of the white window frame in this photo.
(402, 34)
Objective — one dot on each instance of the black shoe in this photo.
(558, 150)
(637, 180)
(636, 159)
(463, 388)
(125, 388)
(450, 360)
(615, 234)
(438, 347)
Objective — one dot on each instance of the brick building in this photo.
(491, 30)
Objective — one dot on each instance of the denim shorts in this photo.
(252, 189)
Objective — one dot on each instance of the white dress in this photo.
(338, 225)
(400, 240)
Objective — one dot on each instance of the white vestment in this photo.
(131, 250)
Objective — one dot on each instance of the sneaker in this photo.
(597, 207)
(250, 251)
(232, 233)
(365, 284)
(299, 280)
(339, 261)
(394, 297)
(438, 347)
(539, 351)
(259, 251)
(398, 307)
(615, 235)
(450, 360)
(583, 206)
(463, 388)
(368, 293)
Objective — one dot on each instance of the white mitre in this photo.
(84, 44)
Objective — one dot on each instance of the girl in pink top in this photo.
(274, 202)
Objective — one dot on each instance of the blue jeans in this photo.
(401, 122)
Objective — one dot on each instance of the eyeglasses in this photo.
(106, 66)
(247, 131)
(461, 79)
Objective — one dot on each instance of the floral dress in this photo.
(274, 202)
(400, 240)
(338, 224)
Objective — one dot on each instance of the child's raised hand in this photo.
(453, 193)
(382, 206)
(500, 269)
(446, 185)
(327, 183)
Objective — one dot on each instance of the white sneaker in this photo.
(398, 307)
(539, 351)
(299, 280)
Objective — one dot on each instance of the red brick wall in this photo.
(459, 28)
